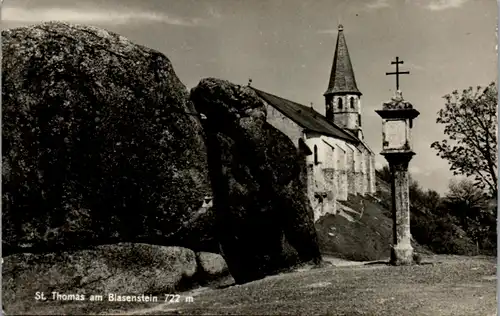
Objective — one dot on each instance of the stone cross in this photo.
(397, 72)
(397, 116)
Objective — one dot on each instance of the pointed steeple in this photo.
(342, 78)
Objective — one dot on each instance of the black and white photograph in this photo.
(249, 157)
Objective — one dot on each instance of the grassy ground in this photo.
(447, 285)
(451, 285)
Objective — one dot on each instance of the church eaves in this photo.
(342, 78)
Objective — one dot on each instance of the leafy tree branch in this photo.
(470, 124)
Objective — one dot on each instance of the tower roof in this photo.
(342, 78)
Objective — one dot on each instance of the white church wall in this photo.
(350, 168)
(342, 186)
(284, 124)
(369, 179)
(328, 168)
(316, 185)
(336, 164)
(373, 179)
(357, 170)
(340, 171)
(328, 149)
(318, 157)
(323, 196)
(340, 168)
(361, 174)
(367, 171)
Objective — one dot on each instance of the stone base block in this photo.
(401, 255)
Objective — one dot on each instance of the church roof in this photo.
(306, 117)
(342, 78)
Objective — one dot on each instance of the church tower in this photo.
(342, 98)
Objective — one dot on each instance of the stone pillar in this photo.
(397, 120)
(402, 251)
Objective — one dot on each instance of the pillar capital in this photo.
(399, 161)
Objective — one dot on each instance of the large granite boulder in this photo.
(211, 266)
(258, 183)
(100, 144)
(120, 269)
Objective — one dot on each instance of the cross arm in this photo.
(398, 73)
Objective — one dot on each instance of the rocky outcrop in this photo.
(100, 143)
(211, 266)
(257, 179)
(122, 269)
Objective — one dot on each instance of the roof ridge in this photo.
(307, 108)
(304, 116)
(296, 103)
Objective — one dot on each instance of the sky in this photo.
(286, 47)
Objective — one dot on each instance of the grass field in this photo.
(444, 285)
(447, 285)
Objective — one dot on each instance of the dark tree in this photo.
(465, 200)
(385, 173)
(472, 210)
(470, 120)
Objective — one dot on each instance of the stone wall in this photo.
(284, 124)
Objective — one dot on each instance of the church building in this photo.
(339, 162)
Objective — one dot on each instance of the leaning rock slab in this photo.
(123, 269)
(257, 177)
(100, 144)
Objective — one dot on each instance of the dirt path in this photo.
(448, 285)
(337, 262)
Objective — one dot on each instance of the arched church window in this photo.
(315, 154)
(340, 103)
(352, 102)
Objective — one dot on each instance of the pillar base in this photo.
(401, 255)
